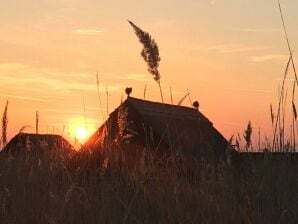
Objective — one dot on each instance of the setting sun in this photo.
(81, 133)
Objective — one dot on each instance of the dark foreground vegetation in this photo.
(111, 187)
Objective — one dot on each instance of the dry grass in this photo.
(112, 186)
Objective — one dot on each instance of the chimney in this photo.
(128, 91)
(196, 105)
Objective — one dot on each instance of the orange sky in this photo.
(230, 55)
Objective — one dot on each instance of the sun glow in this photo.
(81, 134)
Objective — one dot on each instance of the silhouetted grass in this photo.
(116, 186)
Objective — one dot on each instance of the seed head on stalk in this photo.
(150, 53)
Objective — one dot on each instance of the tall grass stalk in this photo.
(84, 106)
(150, 54)
(259, 140)
(294, 116)
(107, 95)
(189, 98)
(99, 98)
(272, 117)
(171, 94)
(288, 42)
(182, 99)
(23, 128)
(247, 136)
(277, 120)
(4, 124)
(144, 94)
(36, 122)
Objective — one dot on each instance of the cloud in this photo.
(231, 48)
(136, 77)
(22, 97)
(164, 23)
(228, 123)
(88, 31)
(23, 81)
(269, 57)
(257, 30)
(248, 90)
(5, 66)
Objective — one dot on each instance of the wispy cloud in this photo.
(231, 48)
(287, 79)
(22, 97)
(27, 82)
(88, 31)
(164, 23)
(135, 77)
(258, 30)
(5, 66)
(229, 123)
(248, 90)
(269, 57)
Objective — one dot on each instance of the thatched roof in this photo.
(37, 143)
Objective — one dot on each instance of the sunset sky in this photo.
(230, 55)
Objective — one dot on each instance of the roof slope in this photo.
(180, 126)
(149, 108)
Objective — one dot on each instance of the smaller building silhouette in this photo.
(35, 143)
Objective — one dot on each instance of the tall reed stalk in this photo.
(287, 40)
(277, 120)
(84, 105)
(282, 96)
(294, 117)
(145, 90)
(171, 95)
(99, 98)
(4, 125)
(36, 122)
(150, 54)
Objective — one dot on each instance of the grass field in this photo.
(93, 188)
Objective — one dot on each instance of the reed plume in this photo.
(150, 53)
(4, 124)
(247, 135)
(272, 114)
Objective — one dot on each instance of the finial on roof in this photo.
(128, 91)
(196, 105)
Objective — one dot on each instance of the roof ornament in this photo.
(196, 105)
(128, 91)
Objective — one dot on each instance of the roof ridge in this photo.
(160, 103)
(185, 109)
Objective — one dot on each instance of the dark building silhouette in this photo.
(35, 143)
(145, 124)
